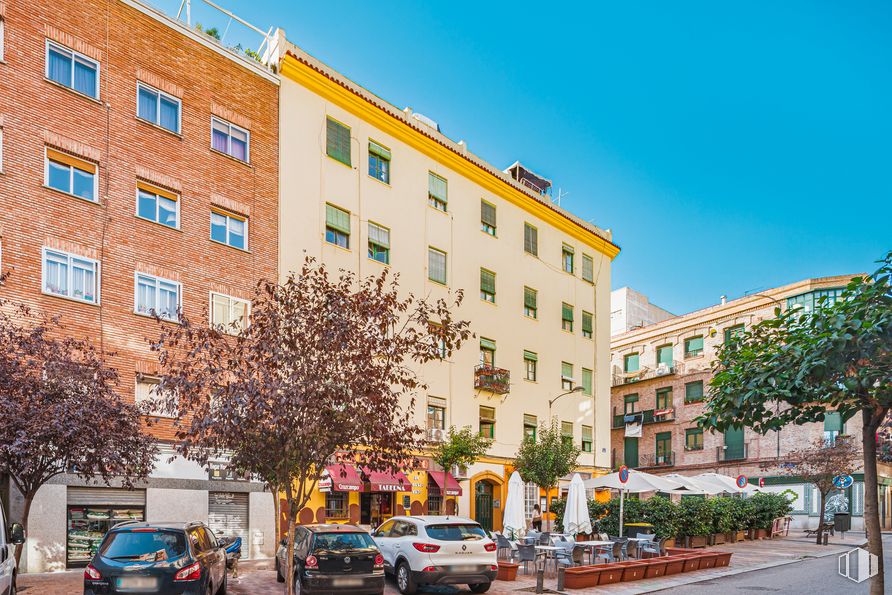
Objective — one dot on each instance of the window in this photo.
(664, 357)
(336, 505)
(664, 398)
(337, 226)
(147, 392)
(693, 391)
(158, 107)
(630, 403)
(631, 363)
(229, 229)
(808, 301)
(530, 301)
(567, 254)
(71, 276)
(586, 439)
(379, 243)
(587, 325)
(487, 286)
(379, 162)
(529, 427)
(530, 239)
(833, 427)
(488, 217)
(567, 317)
(693, 439)
(664, 448)
(436, 191)
(230, 139)
(530, 362)
(567, 431)
(337, 141)
(488, 421)
(158, 205)
(157, 296)
(436, 265)
(734, 332)
(487, 352)
(71, 175)
(567, 381)
(693, 347)
(587, 377)
(436, 417)
(588, 268)
(229, 314)
(72, 70)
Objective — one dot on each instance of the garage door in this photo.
(228, 516)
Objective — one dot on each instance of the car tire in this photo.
(404, 580)
(480, 587)
(279, 577)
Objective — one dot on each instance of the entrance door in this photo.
(483, 504)
(630, 452)
(734, 444)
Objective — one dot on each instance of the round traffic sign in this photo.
(741, 481)
(623, 474)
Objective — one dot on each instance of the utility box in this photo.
(842, 522)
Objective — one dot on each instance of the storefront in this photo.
(91, 512)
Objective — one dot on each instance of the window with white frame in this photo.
(155, 295)
(71, 276)
(229, 229)
(157, 204)
(229, 314)
(149, 398)
(71, 69)
(71, 175)
(228, 138)
(157, 107)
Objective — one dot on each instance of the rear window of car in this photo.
(338, 542)
(456, 532)
(151, 546)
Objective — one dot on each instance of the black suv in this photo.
(157, 558)
(333, 559)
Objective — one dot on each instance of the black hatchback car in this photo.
(333, 559)
(157, 558)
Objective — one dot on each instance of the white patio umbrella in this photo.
(576, 518)
(637, 483)
(724, 483)
(513, 517)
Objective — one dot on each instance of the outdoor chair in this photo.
(504, 547)
(525, 554)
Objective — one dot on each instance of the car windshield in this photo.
(456, 532)
(147, 546)
(340, 542)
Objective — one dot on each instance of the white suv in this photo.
(443, 550)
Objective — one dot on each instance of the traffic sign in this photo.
(843, 481)
(623, 474)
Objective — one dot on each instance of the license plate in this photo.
(137, 582)
(465, 568)
(346, 582)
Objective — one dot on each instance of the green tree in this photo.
(546, 459)
(794, 368)
(463, 448)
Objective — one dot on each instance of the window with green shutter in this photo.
(530, 363)
(567, 381)
(337, 141)
(588, 268)
(587, 324)
(587, 381)
(379, 243)
(530, 302)
(693, 346)
(693, 391)
(436, 265)
(693, 439)
(631, 363)
(436, 191)
(488, 217)
(733, 332)
(487, 286)
(664, 357)
(337, 226)
(567, 317)
(379, 162)
(530, 239)
(586, 439)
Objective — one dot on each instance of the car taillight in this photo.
(379, 561)
(192, 572)
(490, 547)
(427, 548)
(312, 562)
(91, 573)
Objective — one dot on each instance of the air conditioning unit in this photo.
(436, 434)
(459, 472)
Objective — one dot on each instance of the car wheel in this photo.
(480, 587)
(404, 581)
(279, 577)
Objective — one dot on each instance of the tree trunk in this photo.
(26, 511)
(872, 418)
(292, 522)
(821, 509)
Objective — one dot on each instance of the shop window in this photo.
(336, 505)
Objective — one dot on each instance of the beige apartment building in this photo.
(366, 186)
(660, 376)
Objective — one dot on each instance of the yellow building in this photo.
(365, 185)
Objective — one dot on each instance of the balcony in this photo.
(725, 454)
(663, 459)
(620, 377)
(648, 416)
(492, 379)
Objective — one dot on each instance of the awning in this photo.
(384, 481)
(451, 489)
(340, 478)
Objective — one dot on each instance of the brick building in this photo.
(139, 171)
(660, 377)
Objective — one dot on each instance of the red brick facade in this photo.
(36, 113)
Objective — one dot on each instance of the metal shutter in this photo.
(109, 496)
(228, 516)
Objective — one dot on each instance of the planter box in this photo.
(722, 559)
(610, 573)
(581, 577)
(633, 571)
(674, 565)
(697, 541)
(717, 539)
(507, 571)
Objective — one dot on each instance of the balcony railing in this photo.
(492, 379)
(621, 377)
(663, 459)
(727, 453)
(648, 416)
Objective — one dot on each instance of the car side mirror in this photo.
(17, 534)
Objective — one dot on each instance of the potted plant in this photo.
(507, 571)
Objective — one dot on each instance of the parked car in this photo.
(437, 550)
(157, 558)
(11, 535)
(332, 559)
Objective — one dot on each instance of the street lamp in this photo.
(577, 389)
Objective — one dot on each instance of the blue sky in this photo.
(729, 147)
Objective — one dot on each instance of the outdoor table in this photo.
(552, 549)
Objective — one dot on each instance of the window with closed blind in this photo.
(487, 286)
(436, 265)
(337, 141)
(337, 226)
(488, 217)
(530, 239)
(530, 302)
(437, 193)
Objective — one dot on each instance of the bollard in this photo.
(560, 579)
(540, 580)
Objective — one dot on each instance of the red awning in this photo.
(344, 478)
(451, 489)
(384, 481)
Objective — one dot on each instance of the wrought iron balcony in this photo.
(663, 459)
(492, 379)
(648, 416)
